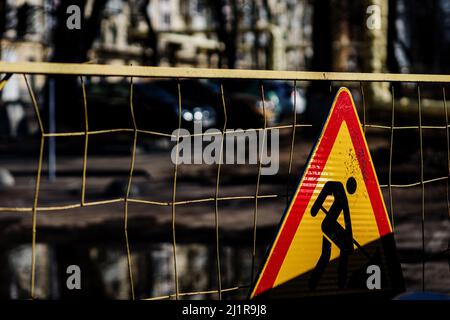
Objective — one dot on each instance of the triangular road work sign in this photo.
(335, 237)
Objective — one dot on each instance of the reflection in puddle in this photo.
(104, 271)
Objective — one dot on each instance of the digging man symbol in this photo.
(332, 229)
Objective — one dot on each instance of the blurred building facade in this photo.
(269, 34)
(23, 37)
(327, 35)
(185, 31)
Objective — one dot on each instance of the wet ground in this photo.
(93, 236)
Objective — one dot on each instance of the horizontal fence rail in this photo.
(84, 70)
(204, 73)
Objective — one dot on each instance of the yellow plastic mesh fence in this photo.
(358, 80)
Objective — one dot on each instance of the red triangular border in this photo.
(343, 109)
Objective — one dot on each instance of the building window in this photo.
(166, 19)
(200, 6)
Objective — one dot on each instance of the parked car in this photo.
(109, 107)
(199, 101)
(279, 97)
(202, 100)
(155, 105)
(284, 96)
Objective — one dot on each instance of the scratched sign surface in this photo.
(336, 225)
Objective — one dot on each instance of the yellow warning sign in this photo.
(335, 234)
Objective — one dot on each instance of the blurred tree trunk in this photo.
(392, 62)
(318, 95)
(232, 52)
(93, 25)
(74, 45)
(254, 22)
(5, 273)
(2, 22)
(322, 41)
(268, 47)
(340, 35)
(152, 40)
(227, 36)
(221, 28)
(374, 54)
